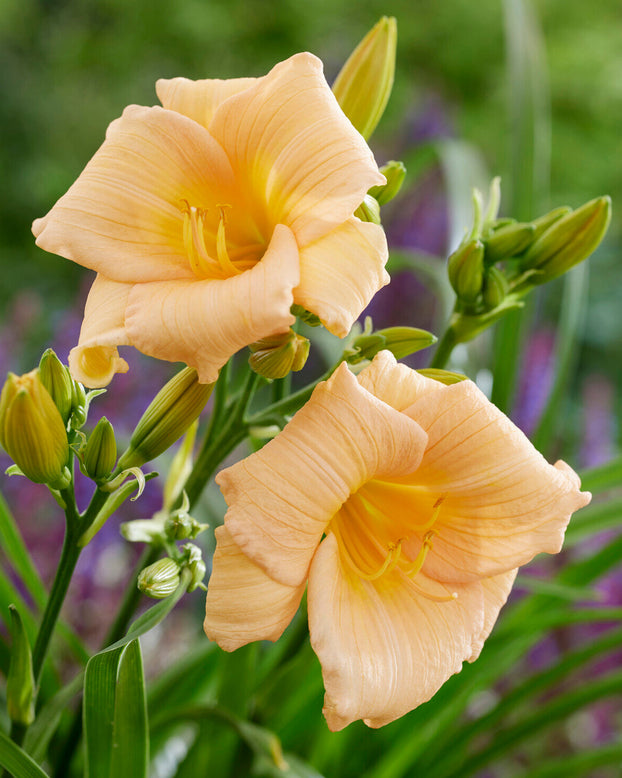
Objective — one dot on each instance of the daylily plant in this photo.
(208, 218)
(406, 506)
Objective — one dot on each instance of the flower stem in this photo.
(443, 351)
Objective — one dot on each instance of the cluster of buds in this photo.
(500, 260)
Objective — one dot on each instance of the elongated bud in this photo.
(568, 240)
(495, 288)
(100, 453)
(32, 431)
(20, 683)
(160, 579)
(364, 84)
(278, 355)
(507, 242)
(168, 416)
(56, 379)
(395, 173)
(542, 223)
(466, 270)
(368, 210)
(446, 377)
(310, 319)
(79, 405)
(400, 341)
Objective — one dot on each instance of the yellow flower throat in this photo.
(358, 529)
(225, 259)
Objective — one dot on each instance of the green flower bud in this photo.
(495, 288)
(278, 355)
(466, 270)
(310, 319)
(160, 579)
(180, 525)
(400, 341)
(364, 84)
(569, 240)
(100, 453)
(20, 682)
(395, 173)
(542, 223)
(368, 210)
(507, 242)
(443, 376)
(79, 405)
(32, 431)
(56, 379)
(195, 565)
(168, 416)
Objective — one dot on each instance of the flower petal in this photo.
(504, 503)
(495, 592)
(290, 141)
(123, 216)
(282, 498)
(341, 272)
(243, 603)
(203, 323)
(95, 360)
(384, 647)
(198, 100)
(395, 384)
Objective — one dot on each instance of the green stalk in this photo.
(443, 351)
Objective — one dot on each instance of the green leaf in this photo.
(543, 716)
(42, 730)
(16, 552)
(593, 519)
(579, 764)
(607, 476)
(20, 683)
(115, 715)
(17, 761)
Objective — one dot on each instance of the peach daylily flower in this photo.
(207, 218)
(407, 507)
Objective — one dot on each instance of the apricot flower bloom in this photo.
(407, 506)
(208, 218)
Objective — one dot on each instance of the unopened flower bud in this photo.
(160, 579)
(180, 524)
(568, 240)
(542, 223)
(168, 416)
(79, 405)
(56, 379)
(495, 288)
(395, 173)
(195, 565)
(278, 355)
(466, 270)
(508, 241)
(400, 341)
(368, 210)
(446, 377)
(100, 453)
(364, 84)
(32, 431)
(310, 319)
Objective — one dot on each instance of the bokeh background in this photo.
(530, 91)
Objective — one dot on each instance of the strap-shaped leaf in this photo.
(115, 714)
(17, 761)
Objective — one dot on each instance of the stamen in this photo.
(434, 597)
(221, 245)
(389, 563)
(420, 558)
(201, 263)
